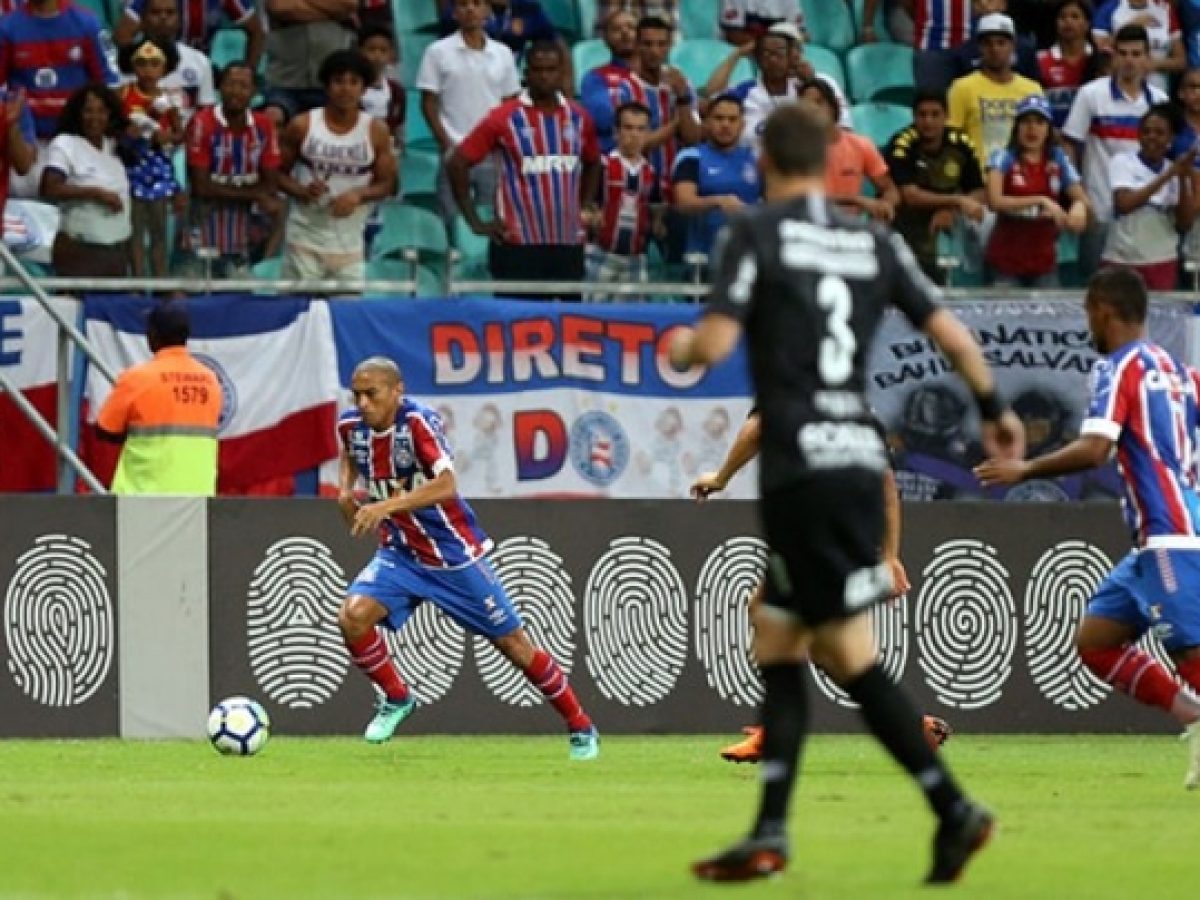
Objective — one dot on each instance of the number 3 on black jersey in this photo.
(836, 361)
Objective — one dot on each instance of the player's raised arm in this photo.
(743, 449)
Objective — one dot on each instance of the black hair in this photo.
(375, 29)
(543, 46)
(341, 62)
(1128, 34)
(1122, 289)
(653, 23)
(726, 97)
(794, 140)
(168, 324)
(236, 64)
(71, 119)
(828, 94)
(169, 50)
(631, 106)
(929, 95)
(1168, 112)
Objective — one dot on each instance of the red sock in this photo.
(1133, 672)
(1189, 671)
(545, 675)
(370, 654)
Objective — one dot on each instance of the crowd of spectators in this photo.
(1034, 125)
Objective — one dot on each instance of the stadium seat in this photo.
(418, 173)
(951, 255)
(587, 55)
(825, 61)
(429, 282)
(1067, 249)
(268, 269)
(228, 45)
(700, 19)
(412, 49)
(403, 226)
(879, 121)
(417, 135)
(587, 12)
(882, 32)
(412, 15)
(562, 13)
(829, 23)
(474, 249)
(881, 72)
(102, 10)
(697, 59)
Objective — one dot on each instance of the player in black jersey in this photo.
(809, 286)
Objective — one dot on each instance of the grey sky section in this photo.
(162, 580)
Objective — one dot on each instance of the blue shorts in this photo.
(472, 596)
(1155, 590)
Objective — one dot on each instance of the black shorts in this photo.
(824, 535)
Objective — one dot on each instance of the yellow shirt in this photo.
(985, 110)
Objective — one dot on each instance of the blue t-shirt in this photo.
(715, 172)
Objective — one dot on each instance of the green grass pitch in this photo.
(510, 817)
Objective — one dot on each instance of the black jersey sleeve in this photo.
(912, 291)
(736, 274)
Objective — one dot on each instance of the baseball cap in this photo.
(787, 30)
(996, 23)
(1035, 104)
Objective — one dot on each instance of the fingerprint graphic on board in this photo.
(294, 644)
(58, 622)
(537, 583)
(1059, 587)
(723, 634)
(635, 621)
(428, 651)
(966, 624)
(890, 623)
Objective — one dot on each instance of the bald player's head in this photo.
(382, 366)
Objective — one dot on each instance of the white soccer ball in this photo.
(239, 726)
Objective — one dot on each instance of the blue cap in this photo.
(1036, 104)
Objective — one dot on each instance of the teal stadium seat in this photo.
(882, 72)
(700, 19)
(404, 226)
(951, 252)
(418, 174)
(414, 15)
(830, 23)
(268, 269)
(412, 49)
(417, 135)
(698, 58)
(429, 282)
(588, 10)
(825, 61)
(563, 13)
(587, 55)
(102, 10)
(879, 121)
(228, 45)
(473, 247)
(882, 32)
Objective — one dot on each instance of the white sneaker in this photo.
(1192, 736)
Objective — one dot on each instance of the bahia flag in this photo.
(28, 358)
(277, 364)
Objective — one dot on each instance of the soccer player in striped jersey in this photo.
(1144, 406)
(431, 548)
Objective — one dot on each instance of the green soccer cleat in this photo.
(585, 744)
(388, 719)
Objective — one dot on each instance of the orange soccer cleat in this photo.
(937, 731)
(747, 750)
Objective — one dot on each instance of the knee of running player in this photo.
(358, 615)
(845, 648)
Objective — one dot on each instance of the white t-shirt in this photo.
(740, 13)
(85, 165)
(191, 85)
(758, 103)
(1146, 235)
(1105, 121)
(468, 83)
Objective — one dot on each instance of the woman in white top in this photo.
(1155, 202)
(85, 176)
